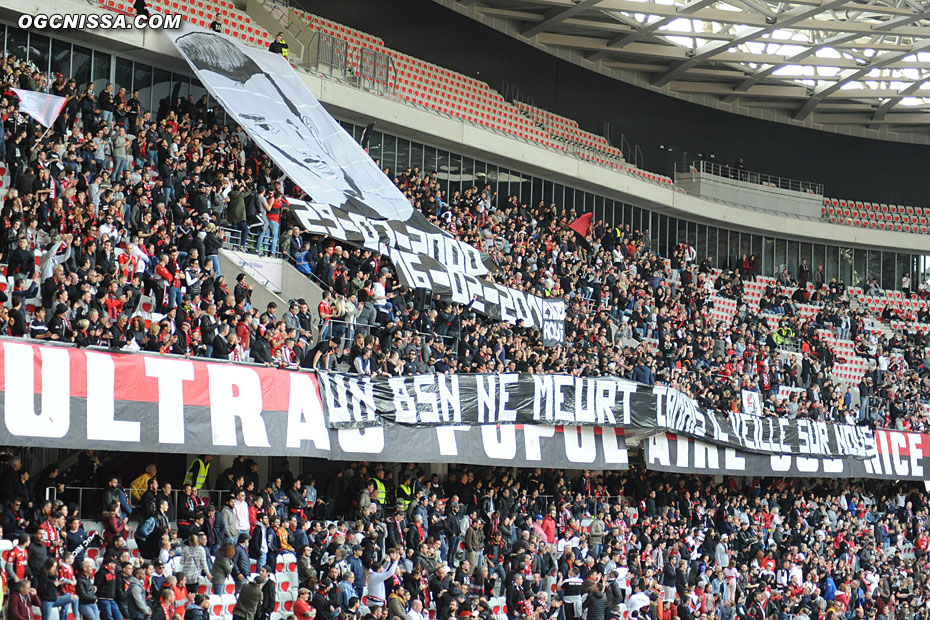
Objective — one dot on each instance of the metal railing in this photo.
(725, 171)
(215, 497)
(365, 68)
(356, 327)
(332, 56)
(374, 71)
(631, 152)
(232, 240)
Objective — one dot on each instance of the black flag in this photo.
(366, 135)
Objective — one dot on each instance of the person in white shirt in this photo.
(376, 579)
(639, 599)
(567, 542)
(241, 510)
(416, 610)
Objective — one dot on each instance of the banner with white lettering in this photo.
(384, 235)
(438, 263)
(353, 401)
(899, 456)
(65, 397)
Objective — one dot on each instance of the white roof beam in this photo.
(556, 16)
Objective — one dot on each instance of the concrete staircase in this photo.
(278, 17)
(275, 280)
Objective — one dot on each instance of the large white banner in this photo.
(264, 94)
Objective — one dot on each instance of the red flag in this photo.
(582, 224)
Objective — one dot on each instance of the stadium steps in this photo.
(262, 271)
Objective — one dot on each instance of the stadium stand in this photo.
(425, 85)
(882, 216)
(97, 255)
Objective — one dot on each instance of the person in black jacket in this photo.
(14, 521)
(241, 566)
(269, 598)
(261, 349)
(22, 258)
(517, 605)
(48, 587)
(595, 604)
(84, 588)
(38, 552)
(453, 529)
(220, 343)
(199, 610)
(123, 577)
(243, 291)
(612, 592)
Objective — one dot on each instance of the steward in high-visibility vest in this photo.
(404, 494)
(380, 491)
(279, 45)
(198, 471)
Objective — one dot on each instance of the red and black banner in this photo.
(59, 396)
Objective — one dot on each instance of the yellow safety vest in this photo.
(201, 474)
(403, 501)
(379, 491)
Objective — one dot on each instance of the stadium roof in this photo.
(862, 63)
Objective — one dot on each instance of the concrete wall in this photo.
(261, 294)
(750, 195)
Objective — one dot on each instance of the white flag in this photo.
(40, 106)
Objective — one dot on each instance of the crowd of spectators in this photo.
(127, 208)
(391, 542)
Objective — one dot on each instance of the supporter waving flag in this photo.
(40, 106)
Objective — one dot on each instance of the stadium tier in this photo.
(431, 377)
(424, 84)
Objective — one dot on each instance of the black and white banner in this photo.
(263, 94)
(899, 456)
(354, 201)
(352, 401)
(383, 236)
(437, 263)
(66, 397)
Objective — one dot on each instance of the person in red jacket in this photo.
(548, 526)
(302, 608)
(22, 600)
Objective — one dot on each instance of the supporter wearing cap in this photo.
(302, 608)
